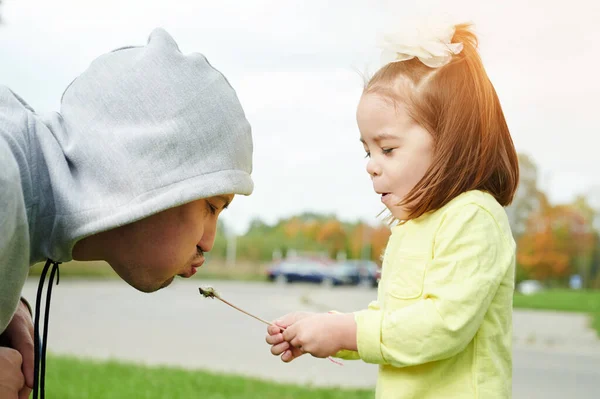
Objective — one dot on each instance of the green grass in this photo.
(68, 377)
(564, 300)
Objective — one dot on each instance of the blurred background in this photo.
(309, 237)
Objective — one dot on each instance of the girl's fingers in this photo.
(280, 348)
(272, 330)
(287, 356)
(274, 339)
(295, 343)
(291, 354)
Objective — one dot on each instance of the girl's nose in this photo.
(372, 168)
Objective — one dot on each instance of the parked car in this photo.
(349, 272)
(289, 271)
(370, 273)
(377, 276)
(273, 271)
(367, 271)
(341, 273)
(529, 287)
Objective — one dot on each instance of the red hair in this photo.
(458, 105)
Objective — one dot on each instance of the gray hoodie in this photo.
(143, 129)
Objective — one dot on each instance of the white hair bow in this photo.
(432, 45)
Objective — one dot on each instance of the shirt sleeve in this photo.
(354, 355)
(14, 237)
(471, 256)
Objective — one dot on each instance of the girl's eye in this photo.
(368, 155)
(387, 150)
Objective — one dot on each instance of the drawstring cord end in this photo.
(39, 376)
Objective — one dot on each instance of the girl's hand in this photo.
(275, 336)
(322, 335)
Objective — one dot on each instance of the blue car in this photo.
(350, 272)
(342, 273)
(357, 271)
(289, 271)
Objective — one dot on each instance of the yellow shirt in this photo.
(442, 323)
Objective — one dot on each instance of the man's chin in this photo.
(147, 288)
(166, 283)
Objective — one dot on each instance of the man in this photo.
(148, 149)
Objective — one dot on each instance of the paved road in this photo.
(555, 355)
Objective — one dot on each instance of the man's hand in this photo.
(19, 336)
(11, 377)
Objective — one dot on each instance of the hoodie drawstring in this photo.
(39, 379)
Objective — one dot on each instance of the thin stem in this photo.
(211, 293)
(249, 314)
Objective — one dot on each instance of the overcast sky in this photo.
(294, 65)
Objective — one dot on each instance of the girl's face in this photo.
(400, 151)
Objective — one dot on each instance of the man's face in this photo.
(149, 253)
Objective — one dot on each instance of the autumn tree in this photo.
(587, 245)
(332, 235)
(359, 241)
(379, 240)
(555, 241)
(528, 197)
(308, 233)
(293, 227)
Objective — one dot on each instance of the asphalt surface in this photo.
(555, 355)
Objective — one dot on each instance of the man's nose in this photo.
(207, 241)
